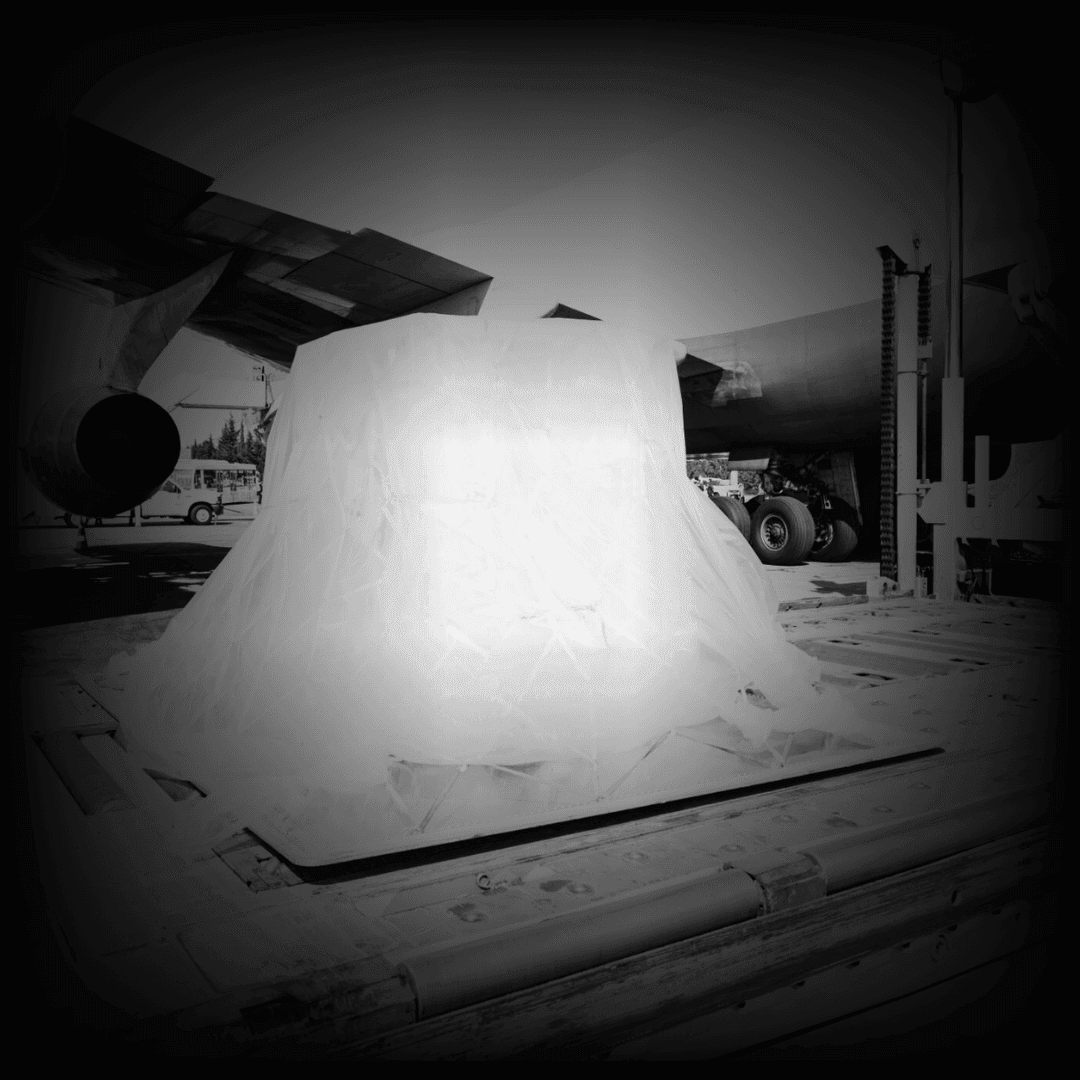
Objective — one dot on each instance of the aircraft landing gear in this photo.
(836, 533)
(782, 531)
(735, 512)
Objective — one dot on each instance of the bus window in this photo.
(182, 480)
(198, 478)
(209, 478)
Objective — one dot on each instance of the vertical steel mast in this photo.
(952, 385)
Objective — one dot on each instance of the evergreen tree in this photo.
(204, 450)
(255, 451)
(235, 443)
(229, 447)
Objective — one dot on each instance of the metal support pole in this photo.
(926, 353)
(982, 472)
(954, 210)
(907, 430)
(954, 492)
(891, 270)
(952, 486)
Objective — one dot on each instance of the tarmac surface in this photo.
(128, 570)
(124, 571)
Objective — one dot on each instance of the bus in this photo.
(203, 490)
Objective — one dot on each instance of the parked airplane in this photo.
(788, 394)
(814, 382)
(144, 235)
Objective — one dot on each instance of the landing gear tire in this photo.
(735, 512)
(836, 533)
(782, 531)
(200, 514)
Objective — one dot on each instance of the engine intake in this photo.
(99, 452)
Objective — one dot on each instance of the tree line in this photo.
(235, 443)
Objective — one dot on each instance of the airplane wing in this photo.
(125, 222)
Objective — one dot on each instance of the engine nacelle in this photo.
(99, 452)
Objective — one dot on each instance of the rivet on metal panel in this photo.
(553, 885)
(467, 913)
(838, 822)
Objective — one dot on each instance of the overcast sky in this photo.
(686, 184)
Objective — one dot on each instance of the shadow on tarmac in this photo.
(113, 580)
(850, 588)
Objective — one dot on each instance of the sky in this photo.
(686, 182)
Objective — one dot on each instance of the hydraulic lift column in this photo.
(951, 501)
(901, 333)
(907, 430)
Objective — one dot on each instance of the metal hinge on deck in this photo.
(786, 880)
(257, 867)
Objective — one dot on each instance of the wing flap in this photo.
(386, 293)
(396, 257)
(242, 224)
(352, 310)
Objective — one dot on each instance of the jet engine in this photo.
(99, 452)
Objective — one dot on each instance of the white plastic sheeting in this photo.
(478, 544)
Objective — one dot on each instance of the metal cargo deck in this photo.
(774, 916)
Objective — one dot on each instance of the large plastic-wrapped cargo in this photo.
(478, 544)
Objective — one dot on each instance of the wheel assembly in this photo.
(782, 531)
(836, 533)
(200, 514)
(735, 512)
